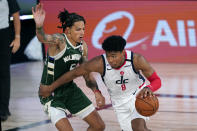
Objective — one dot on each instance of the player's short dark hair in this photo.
(68, 19)
(114, 43)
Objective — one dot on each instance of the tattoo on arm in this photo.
(56, 38)
(40, 33)
(49, 39)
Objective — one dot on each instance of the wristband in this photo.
(97, 90)
(155, 82)
(149, 86)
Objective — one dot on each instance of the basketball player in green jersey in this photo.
(64, 53)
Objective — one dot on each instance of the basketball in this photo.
(146, 106)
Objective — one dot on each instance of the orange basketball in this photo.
(146, 106)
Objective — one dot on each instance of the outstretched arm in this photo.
(39, 16)
(140, 63)
(94, 65)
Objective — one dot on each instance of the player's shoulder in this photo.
(97, 59)
(59, 38)
(94, 65)
(62, 35)
(137, 56)
(138, 60)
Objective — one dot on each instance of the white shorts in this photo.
(55, 114)
(126, 112)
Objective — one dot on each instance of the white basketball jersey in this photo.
(123, 82)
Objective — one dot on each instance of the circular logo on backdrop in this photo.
(120, 22)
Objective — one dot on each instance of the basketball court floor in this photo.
(177, 98)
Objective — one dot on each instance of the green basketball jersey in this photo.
(67, 96)
(56, 66)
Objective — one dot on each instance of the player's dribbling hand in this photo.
(44, 91)
(100, 100)
(146, 91)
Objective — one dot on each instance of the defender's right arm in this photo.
(39, 16)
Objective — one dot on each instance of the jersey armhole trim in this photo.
(104, 67)
(133, 64)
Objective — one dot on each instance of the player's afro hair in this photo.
(114, 43)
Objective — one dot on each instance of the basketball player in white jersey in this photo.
(120, 70)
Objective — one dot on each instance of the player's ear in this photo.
(68, 30)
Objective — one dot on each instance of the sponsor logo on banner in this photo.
(186, 33)
(168, 36)
(102, 28)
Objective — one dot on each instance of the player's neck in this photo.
(122, 61)
(72, 42)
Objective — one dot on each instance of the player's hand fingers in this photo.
(145, 92)
(100, 103)
(33, 12)
(150, 93)
(43, 91)
(36, 8)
